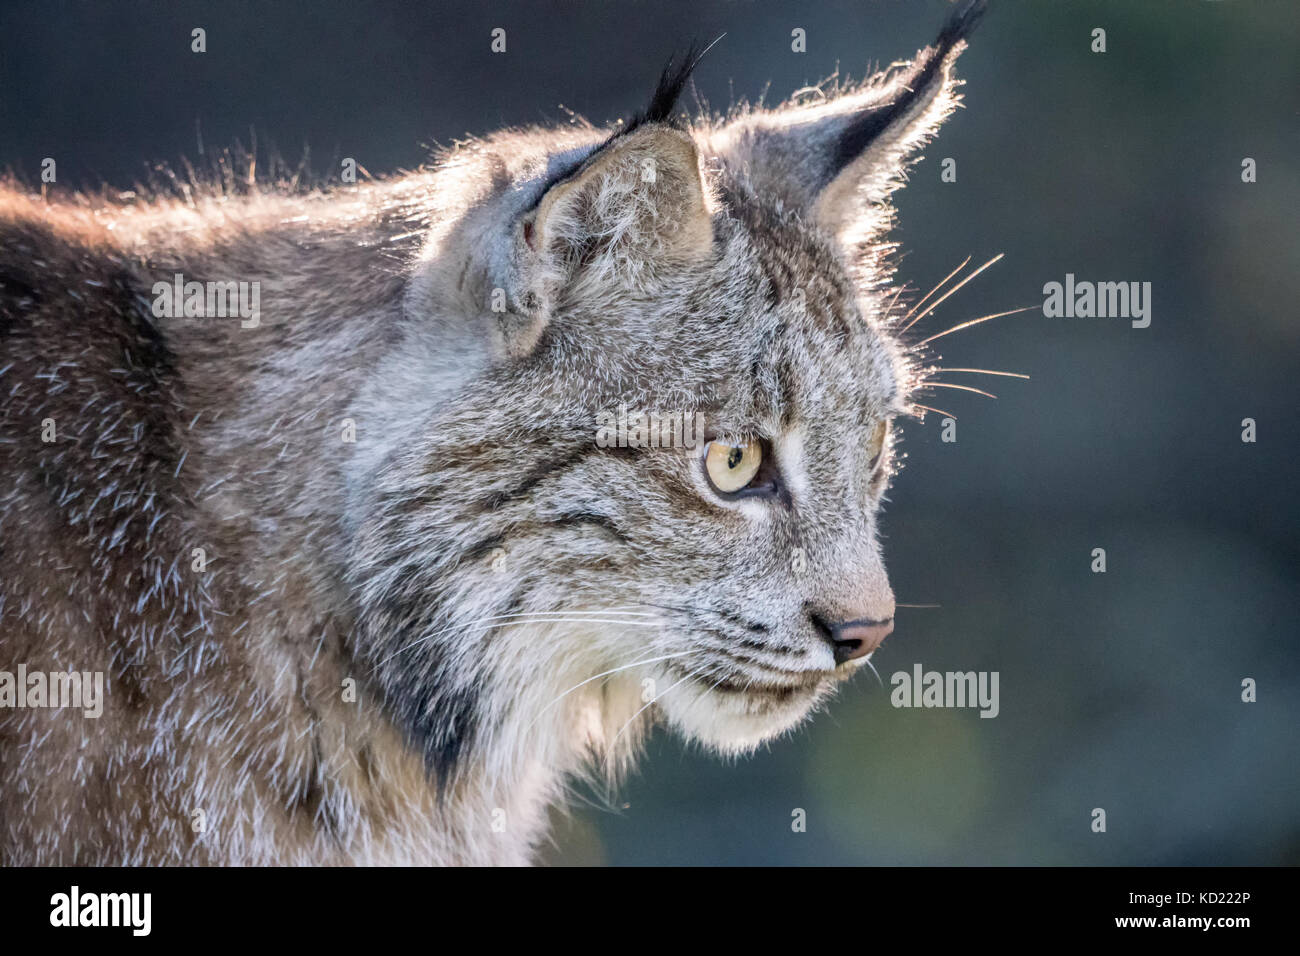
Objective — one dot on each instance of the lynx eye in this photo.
(731, 467)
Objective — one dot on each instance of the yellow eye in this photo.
(732, 467)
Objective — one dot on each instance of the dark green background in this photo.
(1120, 690)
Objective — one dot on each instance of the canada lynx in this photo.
(362, 583)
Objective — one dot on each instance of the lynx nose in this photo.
(853, 639)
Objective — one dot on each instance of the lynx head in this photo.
(517, 571)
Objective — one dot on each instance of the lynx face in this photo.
(734, 269)
(757, 550)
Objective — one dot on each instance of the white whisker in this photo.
(652, 701)
(633, 618)
(967, 325)
(983, 371)
(962, 388)
(612, 670)
(942, 299)
(937, 411)
(912, 311)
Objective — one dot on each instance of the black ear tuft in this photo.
(916, 85)
(660, 110)
(669, 89)
(961, 24)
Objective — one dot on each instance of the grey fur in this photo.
(748, 279)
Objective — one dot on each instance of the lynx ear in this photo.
(839, 160)
(632, 214)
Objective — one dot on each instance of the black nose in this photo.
(853, 639)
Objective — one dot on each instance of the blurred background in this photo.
(1119, 690)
